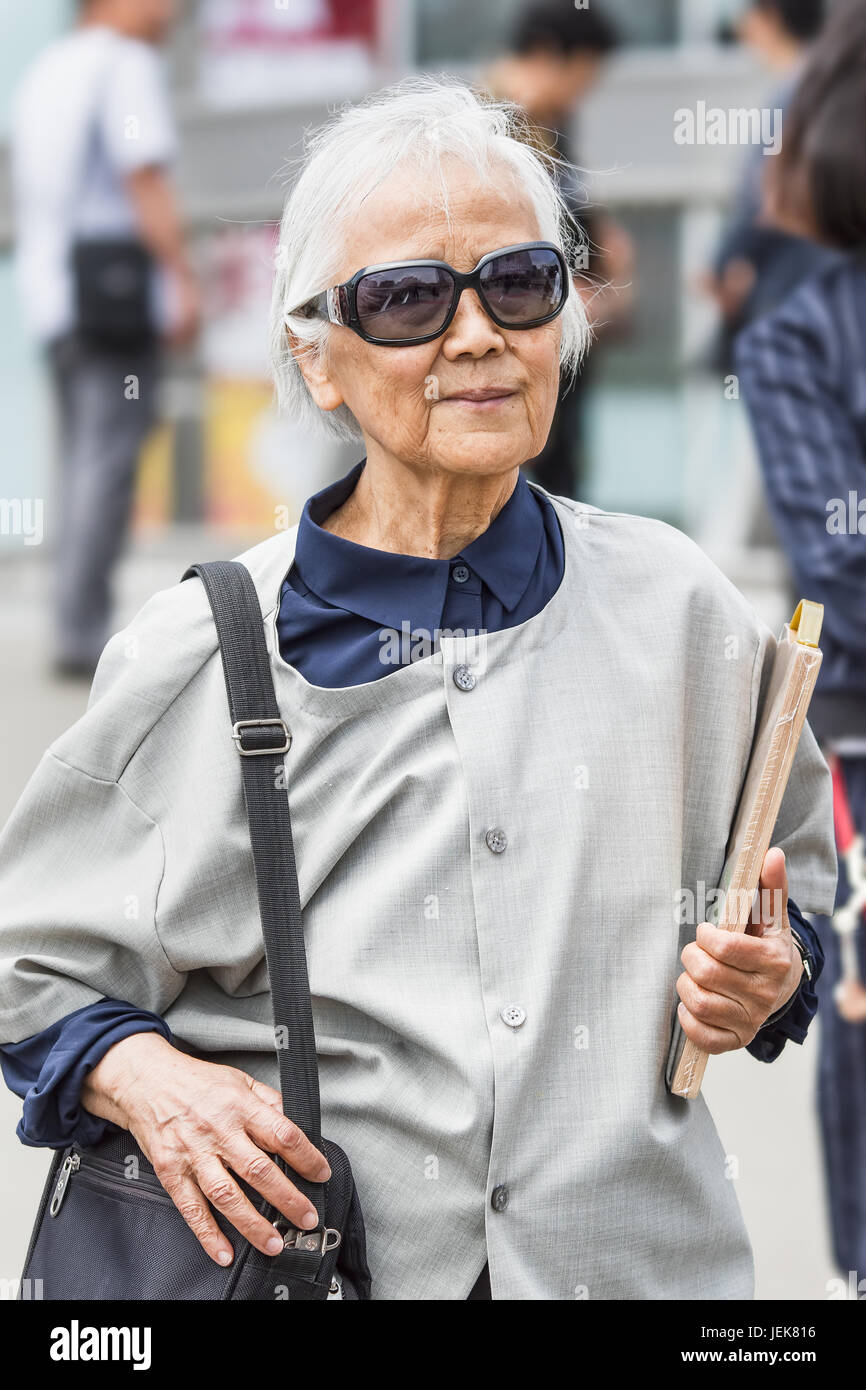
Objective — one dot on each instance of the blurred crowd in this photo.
(110, 293)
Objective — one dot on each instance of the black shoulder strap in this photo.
(262, 739)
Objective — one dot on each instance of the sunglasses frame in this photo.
(339, 303)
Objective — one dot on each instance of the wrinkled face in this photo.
(407, 400)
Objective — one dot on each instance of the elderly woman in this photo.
(519, 730)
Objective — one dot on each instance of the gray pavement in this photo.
(765, 1114)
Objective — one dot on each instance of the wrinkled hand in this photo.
(200, 1124)
(734, 981)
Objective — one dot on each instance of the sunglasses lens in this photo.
(404, 303)
(523, 287)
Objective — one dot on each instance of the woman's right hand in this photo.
(199, 1124)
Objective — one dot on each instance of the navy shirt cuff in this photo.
(793, 1019)
(48, 1071)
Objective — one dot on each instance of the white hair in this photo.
(414, 123)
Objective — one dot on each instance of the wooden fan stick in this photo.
(796, 663)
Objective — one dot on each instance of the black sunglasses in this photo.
(408, 302)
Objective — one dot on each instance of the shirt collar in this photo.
(390, 589)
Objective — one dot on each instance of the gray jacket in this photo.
(492, 1010)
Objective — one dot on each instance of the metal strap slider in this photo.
(242, 724)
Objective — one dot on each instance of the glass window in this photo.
(453, 31)
(649, 350)
(634, 443)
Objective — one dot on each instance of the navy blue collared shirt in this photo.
(348, 614)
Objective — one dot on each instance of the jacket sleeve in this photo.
(48, 1071)
(81, 861)
(80, 871)
(793, 1019)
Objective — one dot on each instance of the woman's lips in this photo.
(482, 400)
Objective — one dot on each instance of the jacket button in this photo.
(460, 574)
(499, 1198)
(513, 1015)
(496, 840)
(463, 678)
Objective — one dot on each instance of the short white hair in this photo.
(414, 123)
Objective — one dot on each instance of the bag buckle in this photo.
(322, 1240)
(242, 724)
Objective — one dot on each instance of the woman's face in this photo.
(407, 399)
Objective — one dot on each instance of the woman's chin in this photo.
(481, 451)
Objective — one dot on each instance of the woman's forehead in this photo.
(397, 221)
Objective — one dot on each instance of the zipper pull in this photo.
(70, 1165)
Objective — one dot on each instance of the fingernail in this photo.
(322, 1174)
(275, 1245)
(225, 1256)
(309, 1221)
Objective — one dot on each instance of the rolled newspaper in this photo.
(796, 663)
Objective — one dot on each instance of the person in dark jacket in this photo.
(802, 369)
(756, 266)
(557, 55)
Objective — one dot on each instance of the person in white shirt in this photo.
(92, 143)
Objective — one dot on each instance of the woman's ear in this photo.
(314, 369)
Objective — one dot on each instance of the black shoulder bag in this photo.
(112, 279)
(106, 1228)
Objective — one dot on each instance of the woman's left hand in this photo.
(734, 981)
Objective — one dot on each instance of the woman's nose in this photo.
(472, 329)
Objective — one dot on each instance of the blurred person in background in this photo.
(802, 370)
(756, 265)
(557, 55)
(104, 274)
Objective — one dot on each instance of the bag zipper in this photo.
(103, 1173)
(113, 1169)
(67, 1168)
(47, 1190)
